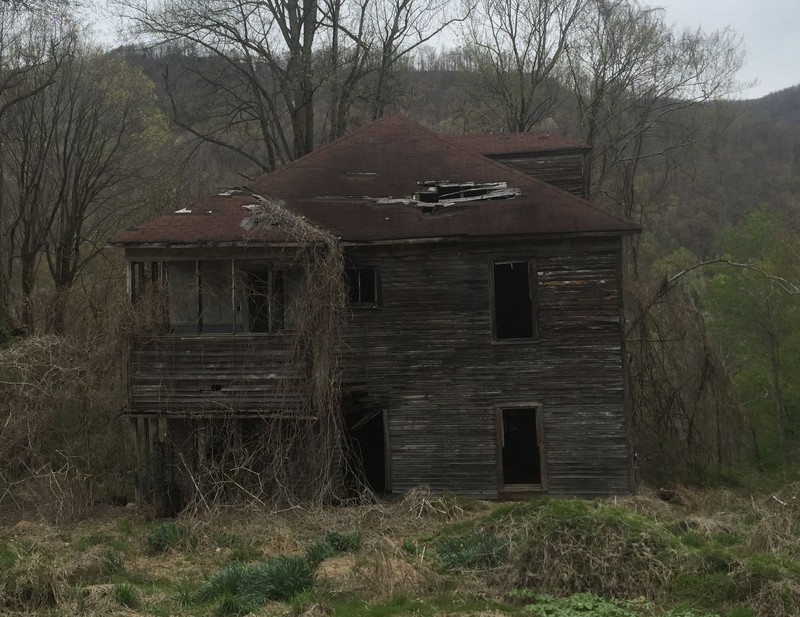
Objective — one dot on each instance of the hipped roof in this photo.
(337, 187)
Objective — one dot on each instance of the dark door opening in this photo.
(366, 436)
(520, 443)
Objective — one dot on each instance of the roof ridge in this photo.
(524, 178)
(317, 151)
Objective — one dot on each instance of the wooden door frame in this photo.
(516, 491)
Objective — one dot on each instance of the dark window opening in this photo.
(143, 276)
(137, 280)
(513, 303)
(362, 285)
(522, 457)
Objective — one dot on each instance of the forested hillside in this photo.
(213, 95)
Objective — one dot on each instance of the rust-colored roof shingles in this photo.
(337, 186)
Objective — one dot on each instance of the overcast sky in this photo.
(771, 31)
(770, 28)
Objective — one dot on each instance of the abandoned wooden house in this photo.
(482, 343)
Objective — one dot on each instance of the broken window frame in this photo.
(142, 273)
(275, 302)
(532, 294)
(511, 489)
(358, 269)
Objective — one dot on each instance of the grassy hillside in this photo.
(702, 554)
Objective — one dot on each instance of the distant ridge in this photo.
(781, 106)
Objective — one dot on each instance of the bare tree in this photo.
(76, 152)
(260, 67)
(34, 43)
(399, 28)
(515, 49)
(633, 74)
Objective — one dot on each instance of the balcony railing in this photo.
(239, 375)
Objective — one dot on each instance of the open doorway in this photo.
(366, 434)
(521, 445)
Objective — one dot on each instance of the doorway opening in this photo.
(521, 449)
(366, 434)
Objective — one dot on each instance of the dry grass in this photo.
(633, 550)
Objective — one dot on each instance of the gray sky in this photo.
(771, 31)
(770, 28)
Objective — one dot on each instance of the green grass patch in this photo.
(166, 536)
(476, 551)
(281, 578)
(318, 552)
(8, 556)
(238, 588)
(334, 543)
(706, 590)
(579, 605)
(433, 606)
(125, 526)
(344, 542)
(126, 594)
(101, 539)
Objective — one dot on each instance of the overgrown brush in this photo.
(31, 580)
(569, 546)
(58, 443)
(297, 456)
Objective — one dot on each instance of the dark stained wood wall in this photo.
(563, 169)
(427, 357)
(210, 374)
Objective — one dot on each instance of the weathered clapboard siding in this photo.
(563, 169)
(196, 375)
(427, 357)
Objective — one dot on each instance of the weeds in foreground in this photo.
(126, 595)
(650, 560)
(166, 536)
(238, 588)
(476, 551)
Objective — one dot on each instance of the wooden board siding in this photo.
(210, 374)
(562, 169)
(427, 357)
